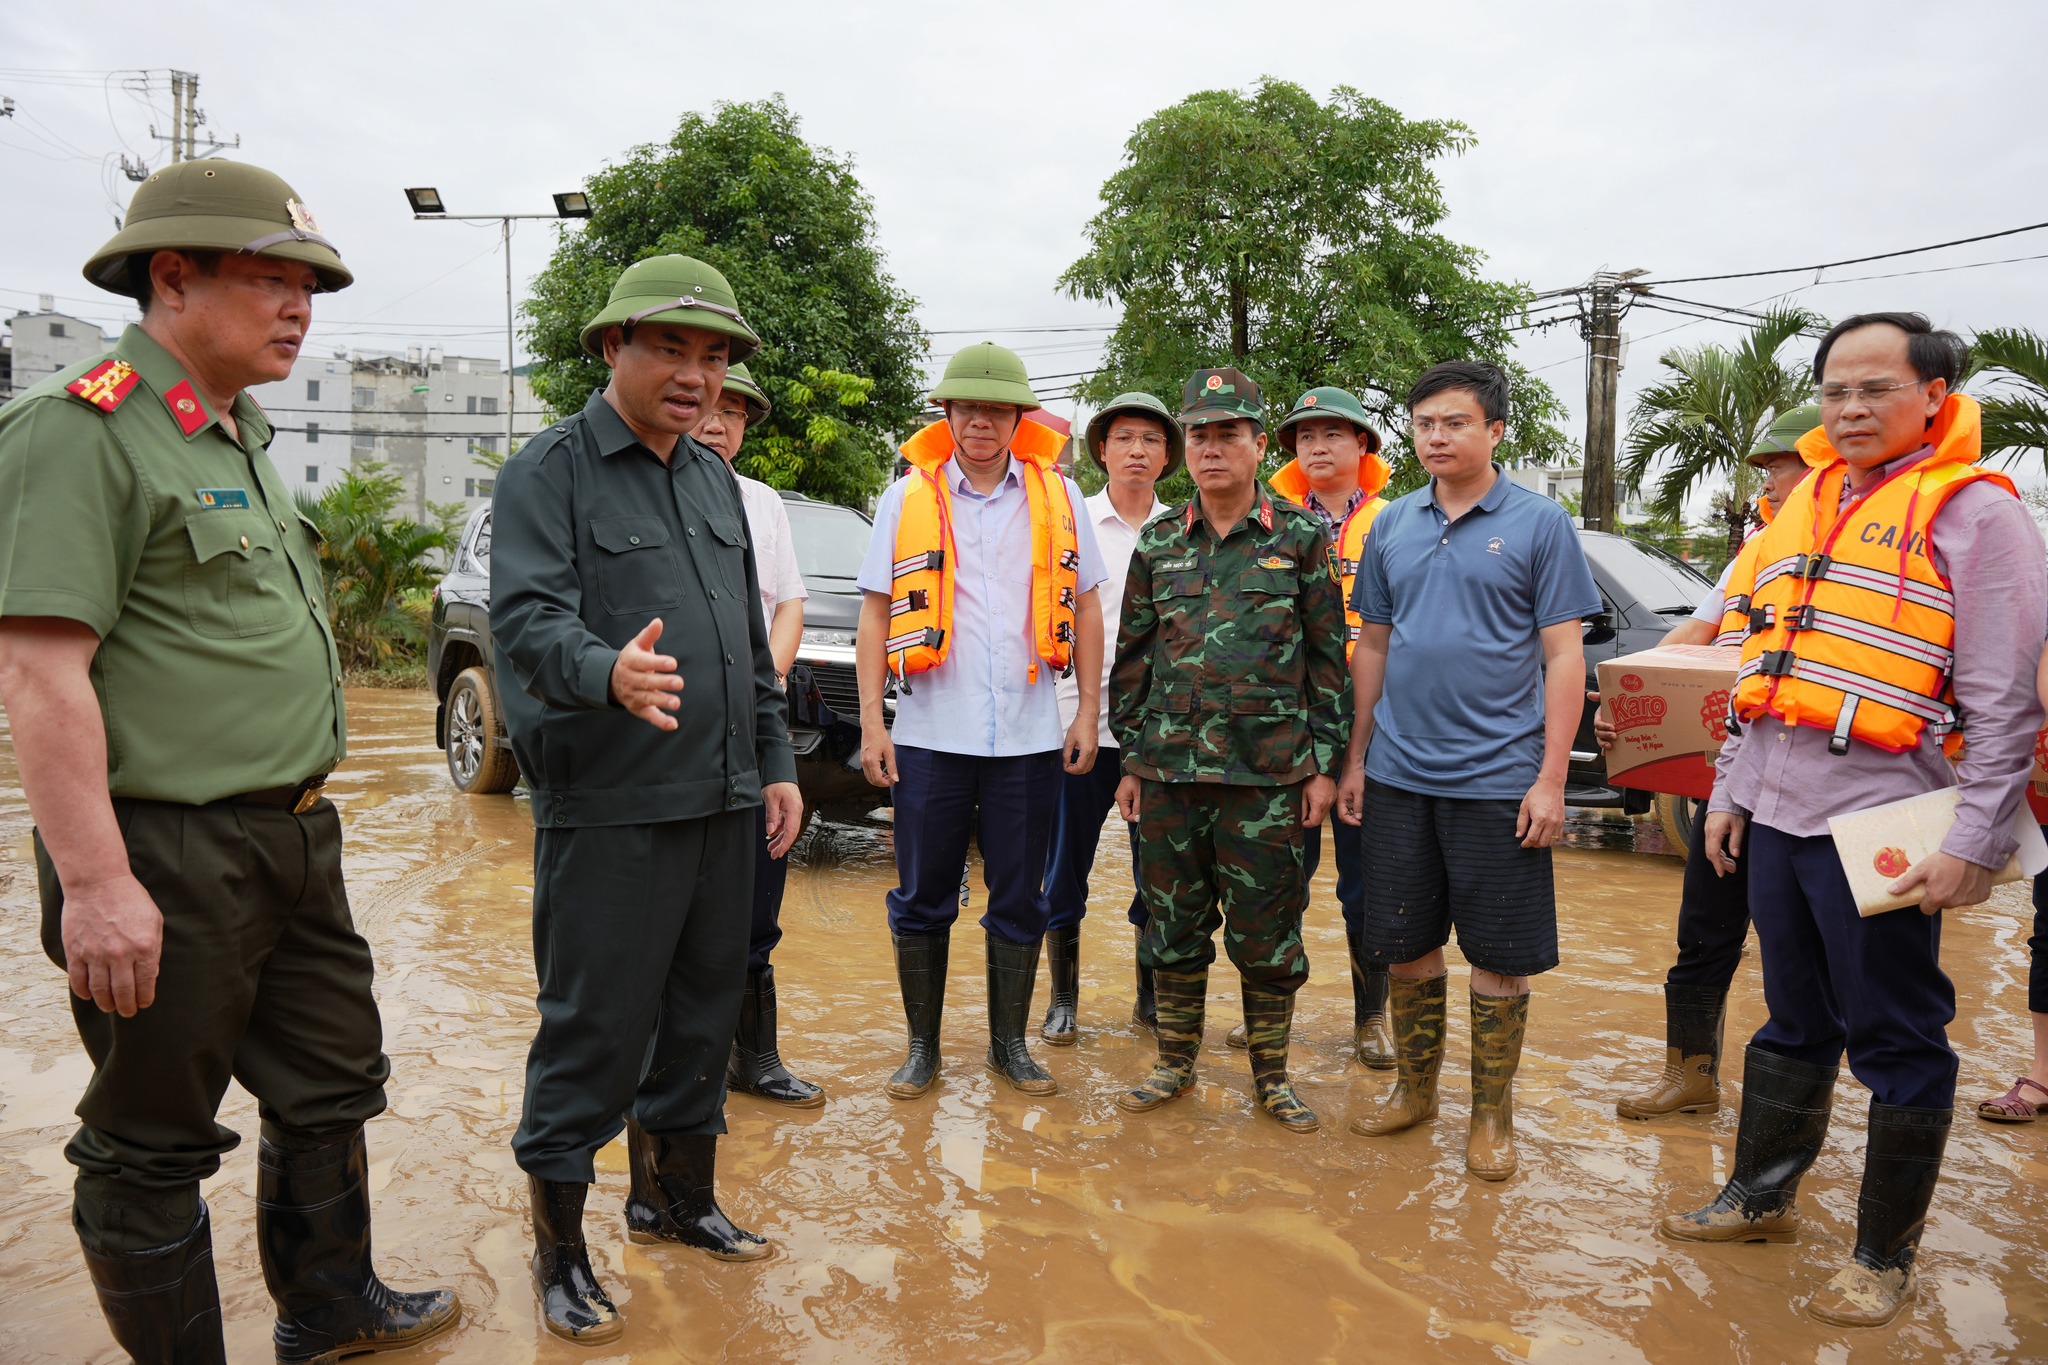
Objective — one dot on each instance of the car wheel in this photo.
(478, 760)
(1674, 817)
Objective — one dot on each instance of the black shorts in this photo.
(1434, 863)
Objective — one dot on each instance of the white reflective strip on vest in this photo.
(1887, 584)
(1871, 689)
(1882, 637)
(911, 565)
(896, 642)
(898, 608)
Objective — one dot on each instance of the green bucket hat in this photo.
(986, 373)
(676, 289)
(1140, 404)
(739, 380)
(1220, 396)
(1328, 401)
(217, 206)
(1783, 436)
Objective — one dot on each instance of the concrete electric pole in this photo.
(186, 118)
(1600, 324)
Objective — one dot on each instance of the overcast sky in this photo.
(1688, 140)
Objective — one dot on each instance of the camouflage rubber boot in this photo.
(1418, 1010)
(1268, 1015)
(1900, 1168)
(1498, 1024)
(1239, 1038)
(1691, 1083)
(1012, 972)
(1785, 1110)
(1182, 997)
(1372, 1040)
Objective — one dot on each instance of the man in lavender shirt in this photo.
(1836, 982)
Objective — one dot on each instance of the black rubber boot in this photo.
(162, 1304)
(674, 1200)
(1063, 970)
(756, 1065)
(313, 1233)
(1691, 1081)
(572, 1303)
(1372, 1035)
(1012, 972)
(1785, 1111)
(921, 972)
(1145, 1013)
(1900, 1168)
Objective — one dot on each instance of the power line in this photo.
(1853, 260)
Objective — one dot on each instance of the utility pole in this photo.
(186, 117)
(1607, 299)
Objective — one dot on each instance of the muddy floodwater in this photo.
(982, 1225)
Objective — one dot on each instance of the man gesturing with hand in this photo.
(615, 535)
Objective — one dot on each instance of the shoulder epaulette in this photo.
(542, 441)
(106, 384)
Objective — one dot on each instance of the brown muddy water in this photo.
(981, 1225)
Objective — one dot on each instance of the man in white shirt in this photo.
(756, 1064)
(1136, 442)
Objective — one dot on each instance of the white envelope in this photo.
(1877, 845)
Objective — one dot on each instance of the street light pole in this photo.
(511, 388)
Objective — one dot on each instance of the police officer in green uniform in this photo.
(175, 701)
(616, 537)
(1231, 704)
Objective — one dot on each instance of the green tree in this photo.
(1702, 418)
(1296, 240)
(790, 226)
(2016, 401)
(377, 569)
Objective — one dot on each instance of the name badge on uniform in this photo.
(223, 498)
(1175, 565)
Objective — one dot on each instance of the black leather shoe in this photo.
(673, 1199)
(756, 1067)
(572, 1303)
(162, 1304)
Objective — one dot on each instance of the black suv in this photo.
(825, 698)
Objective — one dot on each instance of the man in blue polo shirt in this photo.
(1469, 678)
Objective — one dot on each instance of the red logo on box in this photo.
(1634, 713)
(1630, 682)
(1714, 715)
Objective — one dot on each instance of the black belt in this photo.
(297, 798)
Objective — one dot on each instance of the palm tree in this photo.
(1701, 421)
(378, 568)
(2016, 404)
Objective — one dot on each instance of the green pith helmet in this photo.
(1138, 404)
(1220, 396)
(1783, 436)
(1328, 401)
(740, 381)
(681, 290)
(986, 373)
(217, 206)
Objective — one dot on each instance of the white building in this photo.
(41, 343)
(1567, 484)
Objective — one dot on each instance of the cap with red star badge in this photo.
(1223, 395)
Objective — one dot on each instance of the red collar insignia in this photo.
(105, 384)
(186, 409)
(1265, 510)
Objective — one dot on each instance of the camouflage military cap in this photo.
(1220, 396)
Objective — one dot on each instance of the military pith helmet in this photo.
(986, 373)
(1138, 404)
(739, 380)
(1783, 436)
(1328, 401)
(1220, 396)
(680, 290)
(217, 206)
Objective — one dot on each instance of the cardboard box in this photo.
(1877, 845)
(1670, 710)
(2037, 781)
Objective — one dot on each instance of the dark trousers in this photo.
(640, 944)
(263, 978)
(1713, 916)
(1005, 805)
(1836, 982)
(771, 878)
(2037, 946)
(1084, 802)
(1349, 842)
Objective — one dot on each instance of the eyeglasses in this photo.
(1834, 395)
(1449, 426)
(1124, 440)
(992, 411)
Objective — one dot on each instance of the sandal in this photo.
(2012, 1106)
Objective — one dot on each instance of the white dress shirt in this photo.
(774, 547)
(1116, 539)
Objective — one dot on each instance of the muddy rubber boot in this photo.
(1183, 996)
(1784, 1121)
(1012, 972)
(756, 1065)
(1239, 1037)
(673, 1198)
(1145, 1011)
(1268, 1016)
(1900, 1168)
(921, 972)
(1417, 1008)
(573, 1305)
(162, 1304)
(1372, 1038)
(1063, 970)
(1691, 1083)
(1499, 1023)
(313, 1234)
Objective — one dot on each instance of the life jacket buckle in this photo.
(1762, 618)
(1813, 566)
(1800, 617)
(1777, 663)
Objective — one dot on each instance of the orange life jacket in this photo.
(1848, 627)
(1347, 547)
(921, 597)
(1734, 626)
